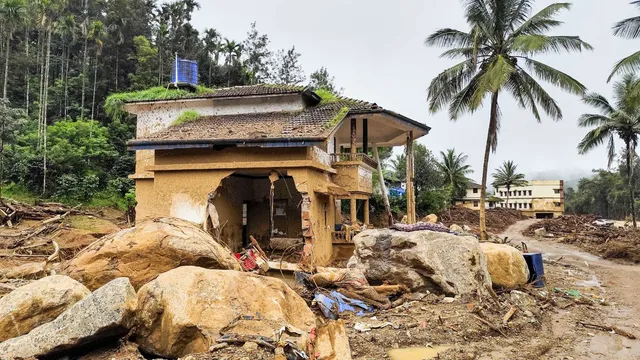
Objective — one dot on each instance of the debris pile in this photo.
(597, 237)
(497, 220)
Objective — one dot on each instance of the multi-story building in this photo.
(472, 198)
(539, 198)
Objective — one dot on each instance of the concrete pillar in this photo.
(353, 139)
(354, 211)
(366, 212)
(365, 136)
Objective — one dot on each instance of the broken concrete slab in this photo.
(422, 260)
(106, 313)
(37, 303)
(187, 309)
(147, 250)
(332, 341)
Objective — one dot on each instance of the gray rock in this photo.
(456, 228)
(540, 232)
(466, 228)
(422, 260)
(107, 312)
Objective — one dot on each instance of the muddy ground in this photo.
(545, 324)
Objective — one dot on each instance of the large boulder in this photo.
(184, 310)
(39, 302)
(506, 265)
(422, 260)
(147, 250)
(106, 313)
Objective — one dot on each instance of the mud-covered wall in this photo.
(231, 155)
(231, 194)
(354, 176)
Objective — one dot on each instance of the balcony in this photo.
(346, 157)
(354, 173)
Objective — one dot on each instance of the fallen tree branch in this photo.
(606, 328)
(490, 325)
(509, 314)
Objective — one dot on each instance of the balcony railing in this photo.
(345, 157)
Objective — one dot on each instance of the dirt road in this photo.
(618, 283)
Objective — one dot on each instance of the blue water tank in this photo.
(184, 72)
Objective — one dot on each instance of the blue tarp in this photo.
(336, 303)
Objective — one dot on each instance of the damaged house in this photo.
(274, 162)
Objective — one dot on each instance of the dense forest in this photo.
(62, 59)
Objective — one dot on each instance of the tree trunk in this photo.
(84, 77)
(66, 86)
(95, 79)
(44, 112)
(508, 195)
(485, 165)
(210, 64)
(383, 187)
(41, 90)
(6, 68)
(28, 73)
(117, 64)
(631, 184)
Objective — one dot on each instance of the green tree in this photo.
(145, 55)
(630, 29)
(13, 14)
(286, 68)
(97, 33)
(507, 176)
(455, 169)
(621, 119)
(256, 47)
(10, 119)
(321, 79)
(233, 50)
(497, 51)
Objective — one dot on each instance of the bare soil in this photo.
(497, 220)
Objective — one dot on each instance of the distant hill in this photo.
(570, 177)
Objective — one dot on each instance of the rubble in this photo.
(144, 252)
(497, 220)
(37, 303)
(189, 309)
(422, 260)
(506, 265)
(610, 242)
(332, 342)
(107, 312)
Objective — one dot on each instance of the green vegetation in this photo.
(115, 102)
(455, 169)
(619, 120)
(327, 96)
(507, 176)
(185, 117)
(496, 54)
(336, 119)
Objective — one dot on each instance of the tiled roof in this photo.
(312, 123)
(255, 90)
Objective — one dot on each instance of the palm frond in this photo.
(556, 77)
(478, 15)
(542, 21)
(448, 83)
(541, 96)
(628, 28)
(589, 120)
(463, 100)
(627, 65)
(522, 93)
(537, 44)
(496, 75)
(449, 37)
(598, 101)
(519, 12)
(595, 138)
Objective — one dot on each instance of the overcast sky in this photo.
(375, 50)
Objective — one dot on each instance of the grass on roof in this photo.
(336, 119)
(115, 102)
(185, 117)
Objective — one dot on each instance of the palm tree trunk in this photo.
(44, 112)
(6, 68)
(117, 64)
(66, 85)
(508, 194)
(631, 184)
(84, 77)
(95, 79)
(493, 120)
(28, 73)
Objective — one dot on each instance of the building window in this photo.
(557, 204)
(530, 193)
(475, 204)
(520, 206)
(557, 191)
(475, 191)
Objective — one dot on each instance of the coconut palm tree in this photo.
(211, 46)
(233, 51)
(497, 52)
(13, 13)
(620, 119)
(97, 33)
(629, 29)
(508, 177)
(455, 169)
(66, 29)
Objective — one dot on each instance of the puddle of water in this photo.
(417, 353)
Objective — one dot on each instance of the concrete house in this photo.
(472, 198)
(538, 199)
(269, 161)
